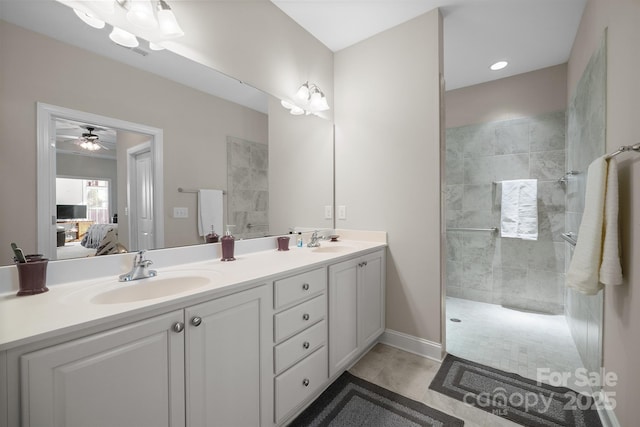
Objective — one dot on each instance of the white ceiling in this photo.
(530, 34)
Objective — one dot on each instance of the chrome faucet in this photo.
(140, 269)
(315, 240)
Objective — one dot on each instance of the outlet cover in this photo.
(328, 212)
(181, 212)
(342, 212)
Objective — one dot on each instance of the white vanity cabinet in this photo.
(209, 364)
(356, 308)
(300, 340)
(128, 376)
(229, 360)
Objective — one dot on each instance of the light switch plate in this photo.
(342, 212)
(181, 212)
(328, 212)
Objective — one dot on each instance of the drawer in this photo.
(299, 287)
(295, 319)
(300, 346)
(300, 382)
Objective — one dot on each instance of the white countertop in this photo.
(68, 308)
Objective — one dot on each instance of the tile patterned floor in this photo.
(410, 375)
(510, 340)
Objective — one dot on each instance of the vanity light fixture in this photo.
(498, 65)
(154, 18)
(310, 100)
(155, 46)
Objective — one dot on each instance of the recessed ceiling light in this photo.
(499, 65)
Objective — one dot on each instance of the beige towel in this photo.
(610, 270)
(588, 258)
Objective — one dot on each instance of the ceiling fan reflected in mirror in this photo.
(90, 141)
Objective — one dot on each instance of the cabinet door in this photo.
(343, 335)
(229, 360)
(129, 376)
(371, 299)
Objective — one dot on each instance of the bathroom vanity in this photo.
(244, 343)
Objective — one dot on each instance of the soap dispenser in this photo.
(228, 242)
(299, 242)
(212, 237)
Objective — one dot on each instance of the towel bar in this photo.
(492, 229)
(182, 190)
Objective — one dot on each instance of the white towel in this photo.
(610, 269)
(519, 209)
(596, 232)
(209, 211)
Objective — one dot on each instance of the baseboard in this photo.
(420, 346)
(607, 416)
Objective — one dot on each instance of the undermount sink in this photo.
(155, 287)
(332, 249)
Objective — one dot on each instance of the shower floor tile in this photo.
(511, 340)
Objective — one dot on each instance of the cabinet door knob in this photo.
(305, 382)
(305, 286)
(178, 327)
(305, 316)
(306, 345)
(195, 321)
(365, 263)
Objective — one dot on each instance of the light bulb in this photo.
(498, 65)
(103, 6)
(303, 92)
(297, 111)
(167, 20)
(141, 14)
(155, 46)
(123, 38)
(89, 19)
(287, 104)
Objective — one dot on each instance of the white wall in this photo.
(387, 119)
(525, 95)
(622, 304)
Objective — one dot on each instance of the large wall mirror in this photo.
(65, 84)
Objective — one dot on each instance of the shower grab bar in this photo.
(571, 238)
(492, 229)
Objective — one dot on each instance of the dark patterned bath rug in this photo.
(353, 402)
(513, 397)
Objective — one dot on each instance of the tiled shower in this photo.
(528, 276)
(481, 265)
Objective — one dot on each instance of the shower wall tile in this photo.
(478, 140)
(548, 164)
(477, 197)
(551, 195)
(512, 138)
(247, 187)
(485, 170)
(453, 197)
(547, 132)
(485, 266)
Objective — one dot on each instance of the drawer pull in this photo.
(305, 382)
(306, 345)
(196, 321)
(178, 327)
(305, 316)
(305, 286)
